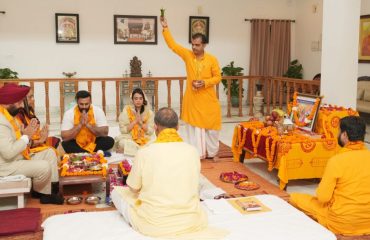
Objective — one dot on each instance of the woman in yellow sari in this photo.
(41, 139)
(136, 123)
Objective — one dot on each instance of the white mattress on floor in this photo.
(283, 222)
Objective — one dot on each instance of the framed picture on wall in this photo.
(67, 28)
(198, 25)
(129, 29)
(364, 40)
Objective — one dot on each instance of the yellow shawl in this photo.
(168, 135)
(85, 138)
(18, 134)
(137, 133)
(35, 136)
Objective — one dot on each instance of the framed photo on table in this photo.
(129, 29)
(198, 25)
(364, 40)
(67, 28)
(304, 111)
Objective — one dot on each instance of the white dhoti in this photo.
(205, 140)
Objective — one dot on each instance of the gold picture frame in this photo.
(198, 25)
(364, 40)
(305, 104)
(67, 28)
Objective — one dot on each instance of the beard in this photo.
(13, 110)
(340, 142)
(83, 110)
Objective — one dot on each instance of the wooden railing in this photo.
(277, 90)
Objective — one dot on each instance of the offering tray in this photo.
(233, 177)
(247, 185)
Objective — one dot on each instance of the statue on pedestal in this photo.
(135, 65)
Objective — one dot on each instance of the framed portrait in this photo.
(306, 112)
(129, 29)
(67, 28)
(364, 40)
(198, 25)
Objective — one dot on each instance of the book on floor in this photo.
(248, 205)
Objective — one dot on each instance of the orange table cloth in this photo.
(329, 117)
(300, 155)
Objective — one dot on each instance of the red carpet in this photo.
(22, 220)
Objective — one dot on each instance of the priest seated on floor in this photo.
(342, 201)
(84, 127)
(153, 203)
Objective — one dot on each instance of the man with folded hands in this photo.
(15, 141)
(84, 127)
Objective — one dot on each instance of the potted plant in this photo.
(6, 73)
(231, 70)
(295, 70)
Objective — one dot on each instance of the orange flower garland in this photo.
(65, 165)
(271, 153)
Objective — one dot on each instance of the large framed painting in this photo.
(198, 25)
(67, 28)
(135, 29)
(304, 110)
(364, 40)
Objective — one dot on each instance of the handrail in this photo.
(277, 90)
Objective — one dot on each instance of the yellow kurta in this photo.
(167, 204)
(201, 107)
(343, 195)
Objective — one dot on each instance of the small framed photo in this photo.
(198, 25)
(135, 29)
(364, 40)
(67, 28)
(304, 113)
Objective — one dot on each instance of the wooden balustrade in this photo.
(277, 90)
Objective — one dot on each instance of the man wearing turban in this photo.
(15, 140)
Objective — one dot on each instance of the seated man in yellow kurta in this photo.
(201, 110)
(162, 197)
(342, 202)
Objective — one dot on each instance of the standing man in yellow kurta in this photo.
(201, 109)
(342, 202)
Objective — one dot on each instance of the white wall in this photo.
(364, 68)
(308, 32)
(27, 30)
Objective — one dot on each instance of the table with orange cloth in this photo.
(329, 117)
(299, 155)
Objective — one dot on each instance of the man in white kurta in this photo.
(162, 197)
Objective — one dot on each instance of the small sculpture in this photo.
(69, 74)
(135, 65)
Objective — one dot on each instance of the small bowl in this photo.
(95, 167)
(92, 200)
(74, 200)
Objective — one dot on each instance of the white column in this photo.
(339, 60)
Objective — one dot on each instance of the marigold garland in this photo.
(125, 167)
(65, 165)
(308, 119)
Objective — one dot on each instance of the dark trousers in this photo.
(102, 143)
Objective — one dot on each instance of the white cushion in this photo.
(360, 93)
(367, 95)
